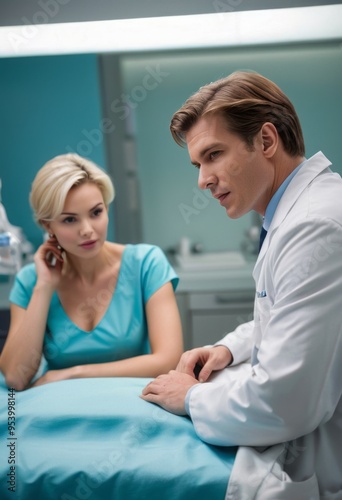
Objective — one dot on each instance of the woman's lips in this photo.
(88, 244)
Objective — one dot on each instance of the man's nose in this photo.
(205, 179)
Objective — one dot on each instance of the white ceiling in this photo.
(21, 12)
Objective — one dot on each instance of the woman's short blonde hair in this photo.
(54, 180)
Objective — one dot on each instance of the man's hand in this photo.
(206, 359)
(169, 391)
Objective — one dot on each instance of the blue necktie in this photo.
(263, 233)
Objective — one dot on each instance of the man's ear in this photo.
(270, 139)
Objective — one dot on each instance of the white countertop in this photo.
(240, 278)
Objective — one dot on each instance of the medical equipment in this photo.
(13, 244)
(10, 260)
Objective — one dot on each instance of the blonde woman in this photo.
(92, 308)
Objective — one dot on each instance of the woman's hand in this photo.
(54, 376)
(204, 360)
(46, 272)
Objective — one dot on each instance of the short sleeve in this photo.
(24, 283)
(156, 271)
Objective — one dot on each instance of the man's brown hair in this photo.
(246, 100)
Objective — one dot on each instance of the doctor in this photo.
(273, 386)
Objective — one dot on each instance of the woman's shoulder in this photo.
(133, 250)
(143, 251)
(116, 250)
(27, 273)
(139, 255)
(24, 283)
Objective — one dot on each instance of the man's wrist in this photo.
(231, 357)
(187, 400)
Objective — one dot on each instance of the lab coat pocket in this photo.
(258, 475)
(263, 307)
(278, 485)
(262, 310)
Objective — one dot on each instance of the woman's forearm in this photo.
(147, 365)
(22, 352)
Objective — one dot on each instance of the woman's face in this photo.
(81, 229)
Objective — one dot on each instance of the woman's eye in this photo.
(97, 212)
(69, 220)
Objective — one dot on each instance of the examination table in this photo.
(96, 439)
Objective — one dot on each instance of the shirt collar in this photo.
(272, 206)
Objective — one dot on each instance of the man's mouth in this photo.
(221, 197)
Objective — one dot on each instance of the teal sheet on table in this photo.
(96, 439)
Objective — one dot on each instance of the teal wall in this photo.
(48, 106)
(310, 75)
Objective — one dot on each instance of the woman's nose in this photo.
(86, 228)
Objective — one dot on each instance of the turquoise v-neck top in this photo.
(122, 331)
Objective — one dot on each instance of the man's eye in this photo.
(214, 154)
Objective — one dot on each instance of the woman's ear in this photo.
(270, 139)
(45, 225)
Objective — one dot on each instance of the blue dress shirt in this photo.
(272, 206)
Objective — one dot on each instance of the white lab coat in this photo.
(282, 404)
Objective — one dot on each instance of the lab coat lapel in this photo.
(313, 167)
